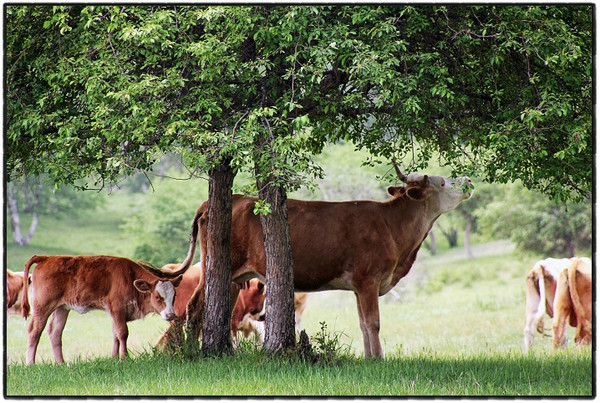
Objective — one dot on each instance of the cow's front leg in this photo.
(368, 311)
(120, 334)
(55, 331)
(363, 328)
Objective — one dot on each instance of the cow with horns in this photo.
(361, 246)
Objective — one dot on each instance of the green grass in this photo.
(452, 327)
(253, 374)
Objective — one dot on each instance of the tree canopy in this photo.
(502, 92)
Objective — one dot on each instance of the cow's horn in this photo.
(401, 176)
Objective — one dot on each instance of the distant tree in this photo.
(537, 224)
(32, 195)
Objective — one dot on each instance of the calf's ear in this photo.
(261, 287)
(142, 286)
(177, 281)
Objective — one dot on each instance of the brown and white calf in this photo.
(254, 324)
(14, 291)
(125, 289)
(573, 303)
(540, 291)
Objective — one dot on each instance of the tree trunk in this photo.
(430, 243)
(216, 329)
(210, 308)
(279, 304)
(15, 219)
(467, 234)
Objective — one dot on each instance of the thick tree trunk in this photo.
(279, 313)
(279, 303)
(216, 329)
(209, 308)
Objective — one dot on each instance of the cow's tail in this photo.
(25, 308)
(167, 272)
(572, 279)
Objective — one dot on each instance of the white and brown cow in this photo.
(540, 291)
(125, 289)
(573, 303)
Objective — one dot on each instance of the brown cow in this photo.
(362, 246)
(573, 301)
(540, 292)
(14, 291)
(125, 289)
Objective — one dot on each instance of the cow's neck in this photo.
(412, 229)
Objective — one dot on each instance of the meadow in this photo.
(452, 327)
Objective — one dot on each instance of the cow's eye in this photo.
(443, 183)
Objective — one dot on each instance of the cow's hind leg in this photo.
(55, 331)
(368, 312)
(562, 311)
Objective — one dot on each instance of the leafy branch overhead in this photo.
(502, 92)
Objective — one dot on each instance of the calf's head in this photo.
(162, 296)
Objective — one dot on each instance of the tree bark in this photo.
(279, 304)
(210, 308)
(216, 329)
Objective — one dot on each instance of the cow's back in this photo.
(330, 240)
(83, 282)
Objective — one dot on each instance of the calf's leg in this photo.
(55, 331)
(120, 334)
(34, 331)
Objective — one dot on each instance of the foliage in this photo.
(500, 91)
(160, 228)
(537, 224)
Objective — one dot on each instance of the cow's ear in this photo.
(418, 193)
(396, 191)
(142, 286)
(177, 281)
(260, 287)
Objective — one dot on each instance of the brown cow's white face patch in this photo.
(167, 291)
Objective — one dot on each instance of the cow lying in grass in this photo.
(125, 289)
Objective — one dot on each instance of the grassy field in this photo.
(453, 327)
